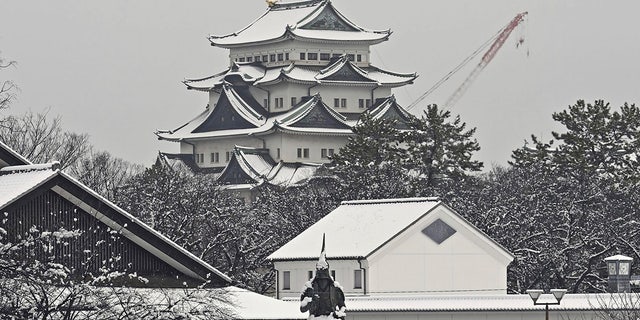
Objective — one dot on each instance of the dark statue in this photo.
(323, 297)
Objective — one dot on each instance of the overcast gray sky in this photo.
(113, 68)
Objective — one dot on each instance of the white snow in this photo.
(357, 228)
(15, 182)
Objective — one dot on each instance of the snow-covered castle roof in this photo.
(312, 20)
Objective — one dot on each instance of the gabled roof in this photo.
(8, 157)
(311, 116)
(18, 182)
(180, 161)
(340, 71)
(389, 109)
(247, 72)
(313, 20)
(247, 166)
(343, 70)
(251, 166)
(236, 109)
(313, 113)
(358, 229)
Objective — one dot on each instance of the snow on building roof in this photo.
(257, 74)
(486, 303)
(290, 174)
(619, 257)
(389, 109)
(250, 167)
(184, 162)
(311, 20)
(298, 120)
(313, 113)
(18, 181)
(356, 229)
(8, 157)
(247, 72)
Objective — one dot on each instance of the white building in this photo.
(417, 259)
(416, 246)
(299, 77)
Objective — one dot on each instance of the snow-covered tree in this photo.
(559, 228)
(7, 87)
(440, 148)
(41, 139)
(35, 285)
(597, 142)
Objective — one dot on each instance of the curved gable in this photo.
(328, 19)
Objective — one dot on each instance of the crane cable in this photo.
(456, 69)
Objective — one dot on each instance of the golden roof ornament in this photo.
(271, 3)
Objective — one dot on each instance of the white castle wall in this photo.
(296, 47)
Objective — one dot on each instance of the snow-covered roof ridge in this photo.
(360, 229)
(10, 156)
(618, 257)
(399, 200)
(54, 166)
(307, 20)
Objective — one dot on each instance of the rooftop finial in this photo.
(271, 3)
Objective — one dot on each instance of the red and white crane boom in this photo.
(488, 56)
(500, 39)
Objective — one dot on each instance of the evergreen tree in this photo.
(598, 142)
(439, 148)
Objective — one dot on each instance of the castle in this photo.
(299, 78)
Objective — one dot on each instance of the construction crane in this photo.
(500, 39)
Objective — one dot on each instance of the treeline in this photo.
(560, 206)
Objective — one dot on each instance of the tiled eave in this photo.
(290, 35)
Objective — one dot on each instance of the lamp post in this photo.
(535, 294)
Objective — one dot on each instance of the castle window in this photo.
(333, 275)
(227, 156)
(336, 55)
(278, 153)
(266, 103)
(326, 153)
(279, 103)
(351, 57)
(249, 59)
(357, 279)
(359, 58)
(280, 57)
(286, 56)
(303, 153)
(272, 57)
(303, 56)
(325, 56)
(265, 58)
(361, 103)
(310, 274)
(343, 103)
(294, 100)
(256, 58)
(312, 56)
(286, 280)
(215, 157)
(241, 60)
(336, 103)
(368, 103)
